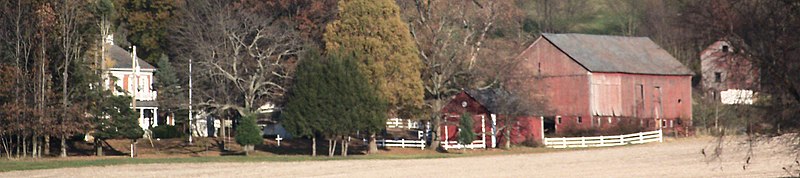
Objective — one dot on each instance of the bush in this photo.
(248, 133)
(466, 134)
(530, 142)
(166, 131)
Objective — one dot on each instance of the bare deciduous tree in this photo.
(244, 59)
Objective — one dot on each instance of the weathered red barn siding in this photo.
(631, 101)
(567, 80)
(525, 128)
(586, 99)
(452, 114)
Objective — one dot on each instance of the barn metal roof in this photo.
(122, 58)
(603, 53)
(488, 97)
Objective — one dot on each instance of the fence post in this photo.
(660, 135)
(641, 137)
(602, 141)
(446, 136)
(622, 139)
(403, 143)
(583, 141)
(564, 141)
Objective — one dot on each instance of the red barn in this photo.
(598, 81)
(481, 104)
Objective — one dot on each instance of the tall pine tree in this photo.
(374, 33)
(332, 98)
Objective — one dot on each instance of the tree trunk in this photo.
(34, 146)
(47, 145)
(373, 144)
(24, 147)
(63, 146)
(508, 137)
(313, 146)
(247, 149)
(331, 147)
(435, 135)
(98, 145)
(344, 148)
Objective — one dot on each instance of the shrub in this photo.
(248, 134)
(466, 134)
(530, 142)
(166, 131)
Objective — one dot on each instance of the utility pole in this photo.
(135, 78)
(190, 101)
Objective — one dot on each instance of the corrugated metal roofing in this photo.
(488, 97)
(603, 53)
(122, 58)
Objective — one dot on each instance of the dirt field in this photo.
(674, 158)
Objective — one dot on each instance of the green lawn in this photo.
(51, 163)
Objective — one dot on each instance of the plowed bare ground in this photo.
(673, 158)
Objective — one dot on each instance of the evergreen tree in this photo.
(332, 98)
(116, 119)
(302, 114)
(247, 133)
(466, 134)
(373, 31)
(167, 85)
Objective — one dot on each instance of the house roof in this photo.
(603, 53)
(122, 58)
(488, 97)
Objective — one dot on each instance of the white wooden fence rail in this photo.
(600, 141)
(477, 144)
(401, 123)
(402, 143)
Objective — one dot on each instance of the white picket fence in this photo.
(477, 144)
(401, 143)
(601, 141)
(401, 123)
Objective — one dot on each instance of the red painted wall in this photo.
(525, 128)
(573, 92)
(565, 82)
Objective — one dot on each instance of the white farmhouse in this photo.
(135, 78)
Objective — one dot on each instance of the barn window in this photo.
(464, 104)
(580, 120)
(670, 124)
(540, 68)
(663, 123)
(717, 76)
(725, 48)
(679, 100)
(598, 121)
(558, 119)
(609, 120)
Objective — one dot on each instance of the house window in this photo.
(558, 119)
(717, 76)
(580, 120)
(464, 104)
(725, 48)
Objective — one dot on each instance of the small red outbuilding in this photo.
(481, 104)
